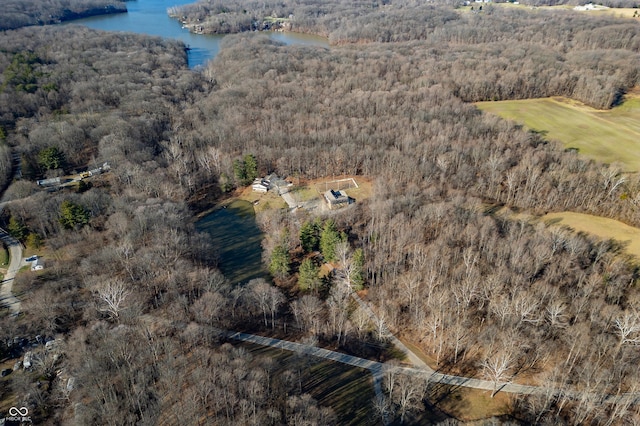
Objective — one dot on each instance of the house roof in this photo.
(336, 196)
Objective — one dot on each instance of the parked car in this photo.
(31, 259)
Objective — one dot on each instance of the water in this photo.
(150, 17)
(237, 237)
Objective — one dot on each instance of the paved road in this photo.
(378, 368)
(288, 198)
(15, 253)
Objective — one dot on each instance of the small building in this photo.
(26, 363)
(37, 265)
(276, 183)
(336, 199)
(271, 182)
(49, 182)
(260, 185)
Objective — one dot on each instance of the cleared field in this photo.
(608, 136)
(599, 226)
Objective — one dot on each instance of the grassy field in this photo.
(262, 200)
(608, 136)
(601, 227)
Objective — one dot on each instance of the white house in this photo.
(37, 264)
(260, 185)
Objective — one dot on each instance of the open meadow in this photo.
(611, 136)
(601, 227)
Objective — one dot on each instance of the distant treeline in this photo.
(21, 13)
(362, 21)
(495, 55)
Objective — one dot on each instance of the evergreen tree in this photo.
(17, 229)
(357, 270)
(309, 236)
(245, 170)
(279, 265)
(250, 168)
(51, 158)
(308, 278)
(328, 240)
(34, 241)
(73, 216)
(239, 172)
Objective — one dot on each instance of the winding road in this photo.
(15, 253)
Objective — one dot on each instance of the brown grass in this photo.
(262, 201)
(468, 404)
(364, 190)
(599, 226)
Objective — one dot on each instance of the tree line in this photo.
(21, 13)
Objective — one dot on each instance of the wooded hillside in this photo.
(20, 13)
(449, 260)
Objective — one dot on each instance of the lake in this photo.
(237, 238)
(150, 17)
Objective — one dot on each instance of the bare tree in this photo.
(267, 297)
(496, 368)
(308, 313)
(628, 328)
(406, 392)
(113, 293)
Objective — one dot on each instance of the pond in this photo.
(237, 237)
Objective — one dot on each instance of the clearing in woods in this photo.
(601, 227)
(609, 136)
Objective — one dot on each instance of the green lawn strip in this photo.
(607, 136)
(4, 257)
(305, 193)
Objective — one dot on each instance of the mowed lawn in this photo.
(608, 136)
(599, 226)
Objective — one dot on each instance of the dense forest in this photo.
(398, 20)
(495, 55)
(20, 13)
(449, 257)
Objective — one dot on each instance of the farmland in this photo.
(611, 136)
